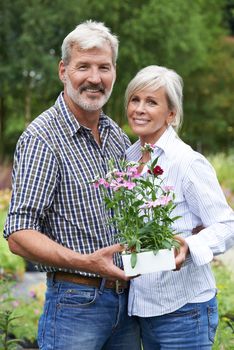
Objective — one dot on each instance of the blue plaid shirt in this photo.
(55, 161)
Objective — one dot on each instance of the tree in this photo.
(187, 36)
(30, 35)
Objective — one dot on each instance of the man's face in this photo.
(89, 77)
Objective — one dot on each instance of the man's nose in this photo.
(94, 76)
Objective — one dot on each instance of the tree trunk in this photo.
(2, 127)
(27, 117)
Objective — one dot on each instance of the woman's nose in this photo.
(140, 108)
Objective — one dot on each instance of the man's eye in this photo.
(105, 68)
(82, 67)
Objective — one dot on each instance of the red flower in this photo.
(156, 171)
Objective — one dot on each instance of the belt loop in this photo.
(118, 288)
(53, 278)
(102, 286)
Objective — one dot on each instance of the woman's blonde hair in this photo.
(155, 77)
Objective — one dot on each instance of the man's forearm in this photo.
(37, 247)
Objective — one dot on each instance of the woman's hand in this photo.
(181, 252)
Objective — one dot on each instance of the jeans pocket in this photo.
(83, 297)
(213, 320)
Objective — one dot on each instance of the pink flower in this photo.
(100, 182)
(151, 204)
(164, 200)
(168, 188)
(32, 294)
(119, 173)
(129, 185)
(115, 185)
(15, 303)
(132, 172)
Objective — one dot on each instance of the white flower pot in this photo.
(147, 262)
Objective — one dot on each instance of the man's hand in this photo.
(181, 253)
(101, 262)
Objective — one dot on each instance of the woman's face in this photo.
(148, 114)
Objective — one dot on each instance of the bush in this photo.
(5, 196)
(9, 263)
(225, 284)
(223, 165)
(17, 312)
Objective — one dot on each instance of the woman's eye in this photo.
(134, 99)
(152, 103)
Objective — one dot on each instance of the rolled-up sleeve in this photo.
(34, 179)
(207, 201)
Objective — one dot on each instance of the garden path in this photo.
(30, 282)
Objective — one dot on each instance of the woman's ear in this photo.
(171, 117)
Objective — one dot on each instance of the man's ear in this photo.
(62, 71)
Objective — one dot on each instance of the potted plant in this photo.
(142, 208)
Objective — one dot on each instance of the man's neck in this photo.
(85, 118)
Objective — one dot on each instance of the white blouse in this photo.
(200, 201)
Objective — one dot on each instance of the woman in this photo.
(178, 309)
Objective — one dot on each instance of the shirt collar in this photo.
(165, 142)
(71, 123)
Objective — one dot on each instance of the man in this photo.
(58, 219)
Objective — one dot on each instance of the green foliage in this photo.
(7, 316)
(185, 35)
(9, 263)
(225, 284)
(17, 312)
(223, 164)
(208, 101)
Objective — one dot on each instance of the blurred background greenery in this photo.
(196, 38)
(193, 37)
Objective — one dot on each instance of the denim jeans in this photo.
(79, 317)
(191, 327)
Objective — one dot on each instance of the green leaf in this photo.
(155, 252)
(133, 259)
(152, 166)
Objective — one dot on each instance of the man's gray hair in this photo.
(155, 77)
(89, 35)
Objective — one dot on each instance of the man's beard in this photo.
(84, 102)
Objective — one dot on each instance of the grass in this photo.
(225, 284)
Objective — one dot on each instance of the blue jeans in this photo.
(79, 317)
(191, 327)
